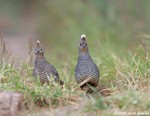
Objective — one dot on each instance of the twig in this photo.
(123, 75)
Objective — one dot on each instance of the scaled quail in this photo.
(42, 68)
(86, 72)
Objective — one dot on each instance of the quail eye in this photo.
(80, 44)
(41, 49)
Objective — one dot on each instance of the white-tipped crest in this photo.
(38, 41)
(83, 36)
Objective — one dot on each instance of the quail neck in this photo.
(40, 56)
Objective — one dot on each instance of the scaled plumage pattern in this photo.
(42, 68)
(86, 71)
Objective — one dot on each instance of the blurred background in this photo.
(117, 24)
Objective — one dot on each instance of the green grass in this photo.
(126, 74)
